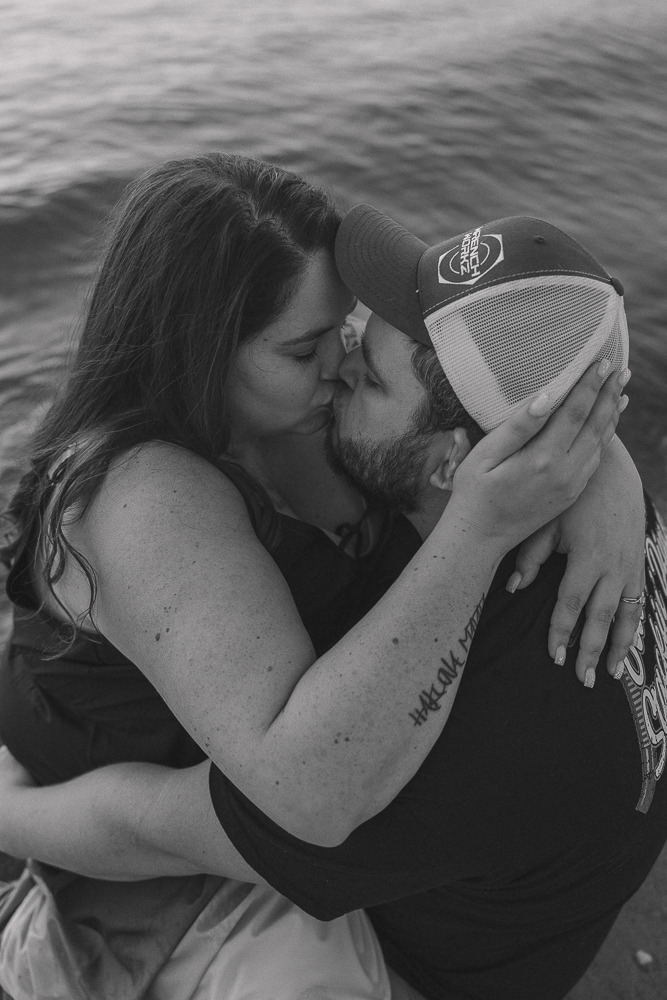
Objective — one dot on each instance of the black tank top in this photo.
(92, 706)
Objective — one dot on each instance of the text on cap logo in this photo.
(472, 258)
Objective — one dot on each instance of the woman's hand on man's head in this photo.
(535, 465)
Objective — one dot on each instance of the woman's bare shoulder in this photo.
(160, 465)
(156, 503)
(162, 483)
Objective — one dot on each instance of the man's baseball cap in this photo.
(512, 308)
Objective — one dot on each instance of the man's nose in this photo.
(351, 367)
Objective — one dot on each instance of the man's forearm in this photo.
(89, 826)
(124, 822)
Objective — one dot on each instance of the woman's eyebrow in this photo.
(311, 335)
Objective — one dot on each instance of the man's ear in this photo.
(442, 478)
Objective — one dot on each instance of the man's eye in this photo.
(305, 358)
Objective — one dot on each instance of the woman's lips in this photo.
(323, 416)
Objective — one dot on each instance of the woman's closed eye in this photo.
(305, 358)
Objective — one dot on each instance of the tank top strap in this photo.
(263, 515)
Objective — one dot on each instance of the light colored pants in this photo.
(265, 948)
(199, 938)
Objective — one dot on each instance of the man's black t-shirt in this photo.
(498, 870)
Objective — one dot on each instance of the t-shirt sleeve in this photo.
(374, 865)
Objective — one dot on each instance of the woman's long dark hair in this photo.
(203, 254)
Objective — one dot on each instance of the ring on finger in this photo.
(635, 600)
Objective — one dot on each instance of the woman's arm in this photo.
(187, 592)
(603, 537)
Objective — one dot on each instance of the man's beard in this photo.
(387, 474)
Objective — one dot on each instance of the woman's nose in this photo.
(332, 354)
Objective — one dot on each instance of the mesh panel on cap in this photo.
(504, 343)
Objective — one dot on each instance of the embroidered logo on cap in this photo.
(471, 259)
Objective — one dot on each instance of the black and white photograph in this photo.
(333, 495)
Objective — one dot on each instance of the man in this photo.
(501, 867)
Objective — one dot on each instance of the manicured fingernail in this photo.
(604, 367)
(559, 658)
(622, 403)
(513, 581)
(618, 673)
(540, 405)
(624, 377)
(589, 678)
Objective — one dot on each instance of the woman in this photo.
(201, 388)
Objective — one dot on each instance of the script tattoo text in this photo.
(451, 666)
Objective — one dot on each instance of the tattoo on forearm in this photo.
(451, 666)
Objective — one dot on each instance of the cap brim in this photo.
(378, 260)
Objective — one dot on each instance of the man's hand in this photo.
(12, 774)
(13, 778)
(603, 537)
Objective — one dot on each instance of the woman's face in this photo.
(283, 381)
